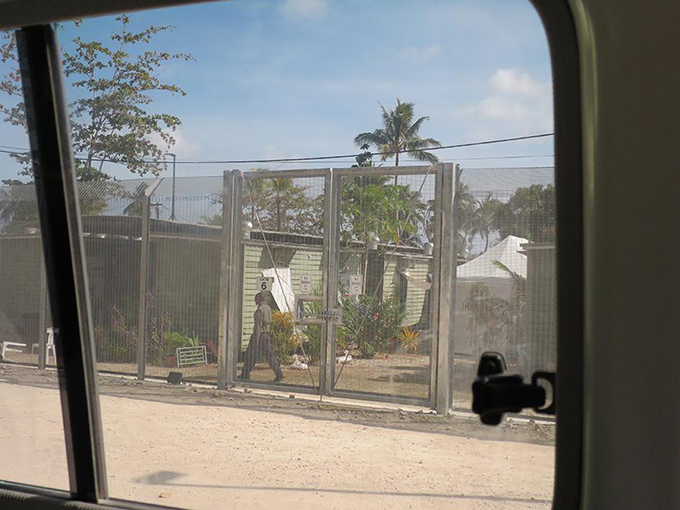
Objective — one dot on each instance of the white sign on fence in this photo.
(305, 283)
(355, 281)
(265, 283)
(191, 356)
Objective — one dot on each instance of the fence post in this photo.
(446, 251)
(225, 340)
(330, 286)
(42, 319)
(143, 320)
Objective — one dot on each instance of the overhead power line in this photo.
(312, 158)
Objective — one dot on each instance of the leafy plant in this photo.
(313, 331)
(368, 324)
(282, 332)
(111, 118)
(409, 339)
(495, 321)
(165, 350)
(372, 208)
(281, 205)
(194, 341)
(530, 213)
(119, 343)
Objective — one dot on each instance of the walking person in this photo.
(260, 341)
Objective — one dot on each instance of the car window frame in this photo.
(67, 276)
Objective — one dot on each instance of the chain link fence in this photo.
(505, 287)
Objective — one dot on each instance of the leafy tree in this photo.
(399, 133)
(212, 219)
(464, 209)
(112, 119)
(289, 206)
(464, 206)
(256, 197)
(484, 216)
(373, 209)
(365, 158)
(414, 215)
(282, 205)
(530, 213)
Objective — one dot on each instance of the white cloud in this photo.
(305, 9)
(417, 55)
(185, 146)
(517, 104)
(513, 81)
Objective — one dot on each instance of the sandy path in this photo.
(223, 457)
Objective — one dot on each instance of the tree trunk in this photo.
(278, 214)
(364, 271)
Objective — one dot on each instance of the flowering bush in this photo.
(282, 332)
(409, 339)
(369, 323)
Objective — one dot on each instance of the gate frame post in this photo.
(445, 251)
(330, 284)
(225, 340)
(235, 310)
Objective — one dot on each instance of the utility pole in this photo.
(174, 165)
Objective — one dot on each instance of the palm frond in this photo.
(515, 276)
(375, 138)
(413, 130)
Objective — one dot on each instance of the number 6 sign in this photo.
(265, 283)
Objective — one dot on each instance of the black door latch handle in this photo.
(494, 394)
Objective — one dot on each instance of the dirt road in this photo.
(199, 448)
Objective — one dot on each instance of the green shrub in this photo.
(164, 349)
(116, 343)
(282, 332)
(313, 345)
(370, 324)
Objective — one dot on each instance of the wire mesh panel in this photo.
(184, 275)
(384, 342)
(23, 295)
(505, 287)
(383, 331)
(111, 220)
(282, 333)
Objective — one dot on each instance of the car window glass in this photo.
(31, 426)
(263, 189)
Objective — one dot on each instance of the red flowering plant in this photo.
(371, 324)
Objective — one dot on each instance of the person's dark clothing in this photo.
(260, 343)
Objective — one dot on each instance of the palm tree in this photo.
(495, 321)
(463, 209)
(399, 133)
(483, 221)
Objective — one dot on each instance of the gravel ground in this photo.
(196, 447)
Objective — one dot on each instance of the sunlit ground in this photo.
(199, 448)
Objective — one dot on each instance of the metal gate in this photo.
(357, 265)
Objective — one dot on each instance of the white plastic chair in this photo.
(48, 346)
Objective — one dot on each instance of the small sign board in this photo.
(306, 283)
(191, 356)
(355, 281)
(265, 283)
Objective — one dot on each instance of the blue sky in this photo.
(294, 78)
